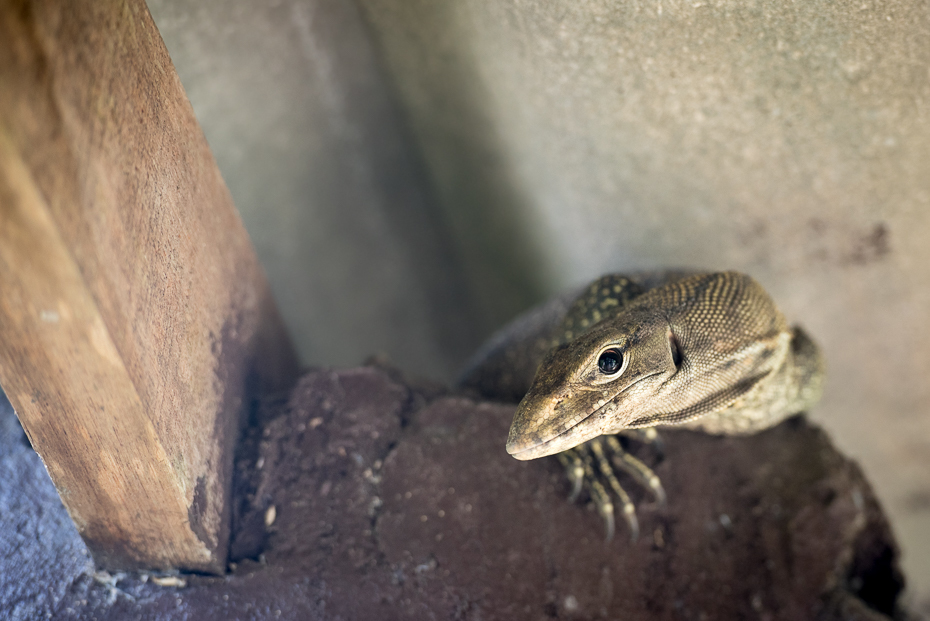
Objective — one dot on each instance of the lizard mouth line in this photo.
(570, 437)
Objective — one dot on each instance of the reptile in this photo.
(629, 353)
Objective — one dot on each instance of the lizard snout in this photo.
(545, 424)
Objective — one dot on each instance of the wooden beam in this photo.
(135, 321)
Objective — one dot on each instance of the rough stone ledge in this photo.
(362, 497)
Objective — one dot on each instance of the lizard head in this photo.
(596, 384)
(676, 353)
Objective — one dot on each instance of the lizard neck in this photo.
(795, 386)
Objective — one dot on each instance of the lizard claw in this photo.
(591, 465)
(636, 469)
(607, 512)
(602, 501)
(629, 512)
(574, 470)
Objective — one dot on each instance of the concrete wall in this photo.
(333, 193)
(564, 139)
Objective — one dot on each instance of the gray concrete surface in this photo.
(42, 553)
(564, 139)
(314, 151)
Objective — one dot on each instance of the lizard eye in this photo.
(610, 361)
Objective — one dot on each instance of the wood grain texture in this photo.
(135, 321)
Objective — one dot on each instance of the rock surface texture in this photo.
(363, 497)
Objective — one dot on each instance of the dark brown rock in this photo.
(390, 504)
(775, 526)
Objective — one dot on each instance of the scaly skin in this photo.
(710, 351)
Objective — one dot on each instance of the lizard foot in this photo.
(593, 465)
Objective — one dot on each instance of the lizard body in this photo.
(707, 351)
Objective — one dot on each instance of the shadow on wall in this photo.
(317, 155)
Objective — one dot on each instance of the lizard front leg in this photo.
(594, 466)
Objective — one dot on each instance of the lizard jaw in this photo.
(562, 442)
(524, 445)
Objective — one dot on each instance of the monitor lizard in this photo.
(707, 351)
